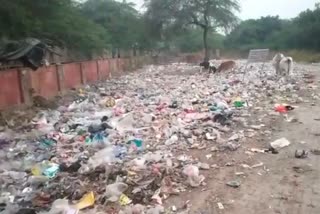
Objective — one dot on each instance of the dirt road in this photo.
(284, 184)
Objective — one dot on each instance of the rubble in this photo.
(280, 143)
(124, 144)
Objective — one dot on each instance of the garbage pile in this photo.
(122, 146)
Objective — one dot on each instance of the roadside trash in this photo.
(136, 145)
(73, 167)
(223, 119)
(98, 128)
(280, 143)
(45, 168)
(239, 173)
(172, 140)
(282, 108)
(86, 201)
(174, 104)
(142, 138)
(36, 180)
(194, 178)
(97, 139)
(301, 154)
(238, 102)
(257, 165)
(124, 200)
(114, 191)
(61, 206)
(110, 102)
(105, 156)
(219, 106)
(120, 151)
(234, 184)
(220, 206)
(48, 142)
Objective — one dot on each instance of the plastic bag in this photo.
(114, 191)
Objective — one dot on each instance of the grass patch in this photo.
(304, 56)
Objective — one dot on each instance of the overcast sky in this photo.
(258, 8)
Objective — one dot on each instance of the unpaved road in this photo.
(284, 184)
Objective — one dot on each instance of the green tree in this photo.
(306, 33)
(209, 15)
(302, 32)
(254, 33)
(58, 21)
(120, 19)
(191, 40)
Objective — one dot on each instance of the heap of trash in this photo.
(123, 146)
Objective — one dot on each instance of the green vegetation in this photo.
(61, 22)
(300, 33)
(207, 15)
(92, 26)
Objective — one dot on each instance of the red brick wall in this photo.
(104, 69)
(49, 81)
(45, 81)
(10, 93)
(71, 75)
(90, 71)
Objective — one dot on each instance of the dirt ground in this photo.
(284, 184)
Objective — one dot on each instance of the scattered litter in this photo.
(257, 165)
(194, 178)
(114, 191)
(257, 150)
(239, 173)
(86, 201)
(124, 200)
(220, 206)
(280, 143)
(115, 145)
(283, 108)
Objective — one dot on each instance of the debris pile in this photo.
(123, 146)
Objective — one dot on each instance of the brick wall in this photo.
(15, 84)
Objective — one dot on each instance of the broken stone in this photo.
(280, 143)
(234, 184)
(301, 154)
(204, 166)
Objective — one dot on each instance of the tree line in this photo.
(301, 33)
(93, 26)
